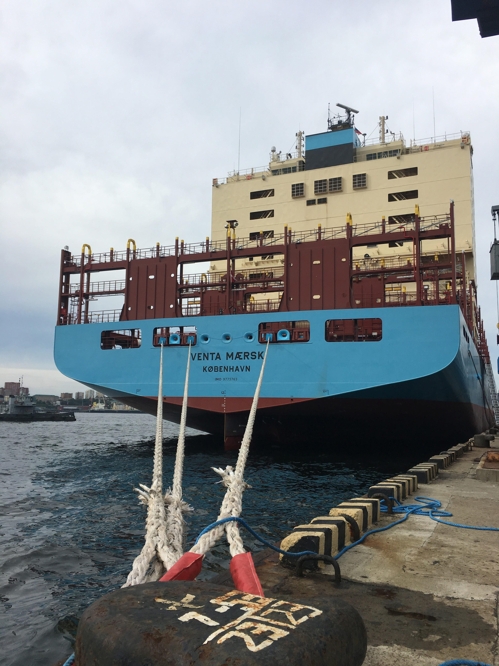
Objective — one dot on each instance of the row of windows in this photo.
(382, 154)
(404, 218)
(312, 202)
(336, 330)
(325, 185)
(392, 219)
(328, 185)
(293, 169)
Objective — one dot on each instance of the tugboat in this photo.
(22, 408)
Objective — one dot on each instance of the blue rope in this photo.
(431, 508)
(70, 661)
(463, 662)
(427, 507)
(242, 522)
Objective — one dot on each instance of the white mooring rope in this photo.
(234, 482)
(173, 496)
(164, 529)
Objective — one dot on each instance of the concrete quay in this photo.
(427, 592)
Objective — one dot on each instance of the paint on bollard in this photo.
(189, 623)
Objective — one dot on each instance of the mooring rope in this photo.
(234, 482)
(173, 496)
(164, 530)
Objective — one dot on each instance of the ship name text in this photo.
(229, 356)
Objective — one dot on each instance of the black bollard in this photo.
(182, 623)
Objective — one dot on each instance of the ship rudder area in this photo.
(234, 427)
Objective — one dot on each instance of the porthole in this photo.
(249, 337)
(204, 338)
(226, 337)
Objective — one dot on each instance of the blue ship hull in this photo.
(424, 375)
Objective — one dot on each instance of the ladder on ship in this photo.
(492, 390)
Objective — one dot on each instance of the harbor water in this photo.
(71, 524)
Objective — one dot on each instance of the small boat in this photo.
(22, 408)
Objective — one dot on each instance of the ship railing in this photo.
(246, 174)
(427, 222)
(201, 248)
(261, 241)
(399, 298)
(442, 138)
(434, 221)
(269, 305)
(106, 286)
(391, 138)
(212, 279)
(379, 263)
(192, 309)
(102, 316)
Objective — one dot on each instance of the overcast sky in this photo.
(117, 114)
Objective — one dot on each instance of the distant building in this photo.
(66, 396)
(12, 388)
(40, 397)
(80, 395)
(89, 395)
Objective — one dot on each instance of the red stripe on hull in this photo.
(221, 405)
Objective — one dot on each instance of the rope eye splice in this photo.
(162, 551)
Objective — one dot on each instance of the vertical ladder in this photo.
(492, 390)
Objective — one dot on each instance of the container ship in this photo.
(352, 259)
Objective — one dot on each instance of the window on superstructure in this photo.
(260, 214)
(402, 196)
(396, 244)
(256, 235)
(320, 186)
(381, 155)
(261, 194)
(322, 201)
(311, 202)
(407, 218)
(403, 173)
(335, 184)
(359, 181)
(297, 190)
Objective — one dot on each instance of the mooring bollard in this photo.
(184, 623)
(481, 441)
